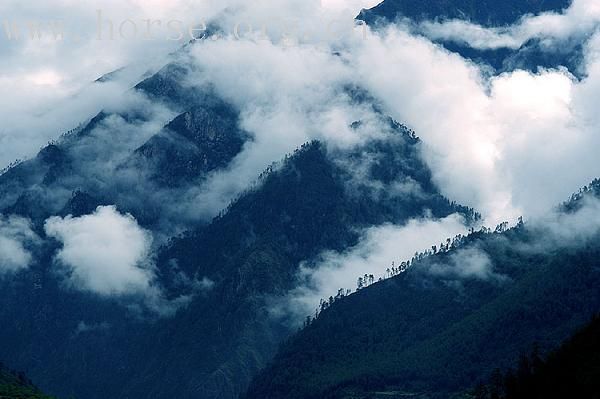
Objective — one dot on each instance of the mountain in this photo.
(252, 252)
(482, 12)
(17, 386)
(124, 158)
(202, 139)
(572, 370)
(196, 319)
(220, 275)
(449, 321)
(531, 55)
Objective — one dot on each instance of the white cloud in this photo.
(505, 145)
(286, 97)
(378, 247)
(354, 5)
(50, 81)
(579, 20)
(512, 144)
(16, 238)
(563, 229)
(104, 252)
(108, 254)
(467, 263)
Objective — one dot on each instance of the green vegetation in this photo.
(307, 204)
(17, 386)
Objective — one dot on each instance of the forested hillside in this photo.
(571, 371)
(226, 269)
(17, 386)
(174, 220)
(252, 251)
(447, 322)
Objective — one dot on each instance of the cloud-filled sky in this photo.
(508, 145)
(496, 144)
(511, 144)
(49, 80)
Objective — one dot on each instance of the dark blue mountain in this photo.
(531, 55)
(429, 333)
(202, 138)
(79, 344)
(482, 12)
(572, 370)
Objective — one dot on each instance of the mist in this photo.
(378, 247)
(507, 145)
(17, 240)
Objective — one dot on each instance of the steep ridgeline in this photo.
(578, 200)
(126, 157)
(532, 54)
(251, 252)
(17, 386)
(203, 138)
(450, 320)
(75, 343)
(200, 140)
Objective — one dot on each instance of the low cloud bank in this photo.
(16, 241)
(467, 263)
(108, 254)
(555, 29)
(561, 229)
(378, 247)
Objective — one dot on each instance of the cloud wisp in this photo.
(576, 23)
(506, 145)
(378, 247)
(17, 240)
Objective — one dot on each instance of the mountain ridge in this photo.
(226, 267)
(446, 336)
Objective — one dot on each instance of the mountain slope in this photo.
(573, 370)
(313, 201)
(17, 386)
(445, 324)
(133, 157)
(253, 251)
(533, 54)
(482, 12)
(202, 139)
